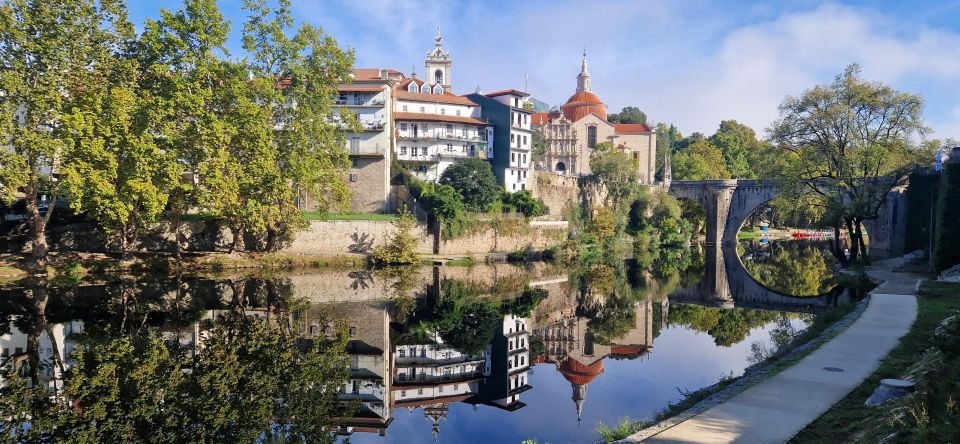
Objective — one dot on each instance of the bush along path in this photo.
(776, 409)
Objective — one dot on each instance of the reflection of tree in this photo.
(612, 320)
(248, 380)
(726, 326)
(791, 267)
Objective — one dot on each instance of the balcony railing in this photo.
(444, 136)
(364, 103)
(366, 150)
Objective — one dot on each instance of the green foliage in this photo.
(538, 145)
(726, 326)
(523, 202)
(849, 142)
(249, 381)
(613, 320)
(615, 170)
(603, 224)
(621, 430)
(401, 247)
(629, 114)
(740, 148)
(473, 179)
(797, 269)
(701, 160)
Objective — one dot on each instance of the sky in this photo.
(688, 62)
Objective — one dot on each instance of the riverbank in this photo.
(759, 412)
(929, 355)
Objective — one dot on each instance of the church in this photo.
(572, 133)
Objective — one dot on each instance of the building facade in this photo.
(573, 132)
(509, 112)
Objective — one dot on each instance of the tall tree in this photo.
(629, 114)
(296, 73)
(52, 54)
(739, 146)
(849, 142)
(615, 170)
(473, 178)
(699, 161)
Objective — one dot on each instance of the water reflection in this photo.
(427, 353)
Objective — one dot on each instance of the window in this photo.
(437, 89)
(424, 149)
(403, 127)
(440, 389)
(423, 109)
(412, 87)
(513, 157)
(438, 77)
(456, 386)
(403, 353)
(513, 138)
(443, 111)
(524, 158)
(449, 147)
(591, 137)
(403, 393)
(449, 128)
(524, 140)
(404, 108)
(342, 100)
(403, 152)
(458, 112)
(423, 353)
(354, 145)
(425, 89)
(419, 391)
(353, 178)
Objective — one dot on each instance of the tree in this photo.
(53, 54)
(538, 144)
(474, 180)
(667, 140)
(615, 170)
(849, 142)
(739, 146)
(524, 202)
(114, 170)
(699, 161)
(629, 114)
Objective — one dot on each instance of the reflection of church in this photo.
(574, 131)
(572, 347)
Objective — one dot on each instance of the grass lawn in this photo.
(319, 215)
(749, 235)
(930, 418)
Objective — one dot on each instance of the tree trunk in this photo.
(836, 246)
(854, 247)
(38, 228)
(858, 232)
(238, 244)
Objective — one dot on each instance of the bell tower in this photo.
(583, 79)
(439, 64)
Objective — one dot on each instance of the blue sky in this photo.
(692, 63)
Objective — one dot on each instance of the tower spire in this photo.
(583, 79)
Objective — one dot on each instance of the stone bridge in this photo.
(729, 202)
(726, 283)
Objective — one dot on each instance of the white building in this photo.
(510, 113)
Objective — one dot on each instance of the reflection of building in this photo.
(55, 344)
(581, 124)
(368, 325)
(432, 375)
(571, 345)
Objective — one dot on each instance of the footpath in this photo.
(774, 410)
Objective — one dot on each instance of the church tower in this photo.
(439, 65)
(583, 79)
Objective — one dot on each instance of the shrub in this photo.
(473, 178)
(620, 430)
(603, 225)
(523, 202)
(401, 248)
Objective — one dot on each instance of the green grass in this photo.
(320, 215)
(9, 274)
(749, 235)
(849, 417)
(622, 429)
(461, 262)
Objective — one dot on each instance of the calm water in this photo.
(489, 353)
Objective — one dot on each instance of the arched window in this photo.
(438, 76)
(425, 89)
(412, 87)
(437, 89)
(561, 167)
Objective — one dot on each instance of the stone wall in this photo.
(539, 236)
(556, 190)
(353, 236)
(369, 183)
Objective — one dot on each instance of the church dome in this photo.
(578, 373)
(583, 103)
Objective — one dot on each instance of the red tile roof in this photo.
(447, 97)
(423, 117)
(582, 104)
(508, 91)
(360, 88)
(541, 119)
(631, 128)
(578, 373)
(373, 73)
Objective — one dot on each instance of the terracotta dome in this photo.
(582, 104)
(578, 373)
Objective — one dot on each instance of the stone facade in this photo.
(369, 181)
(541, 235)
(352, 237)
(557, 191)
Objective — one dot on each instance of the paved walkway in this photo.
(776, 409)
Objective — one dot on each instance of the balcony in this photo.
(409, 135)
(360, 150)
(373, 125)
(374, 103)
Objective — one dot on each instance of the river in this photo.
(485, 353)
